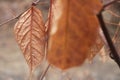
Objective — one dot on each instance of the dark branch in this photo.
(112, 2)
(114, 55)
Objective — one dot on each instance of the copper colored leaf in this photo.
(30, 35)
(74, 31)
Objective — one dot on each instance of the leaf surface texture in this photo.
(74, 32)
(30, 35)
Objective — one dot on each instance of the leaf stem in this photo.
(30, 75)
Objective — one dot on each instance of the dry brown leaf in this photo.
(74, 32)
(30, 35)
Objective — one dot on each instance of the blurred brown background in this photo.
(14, 67)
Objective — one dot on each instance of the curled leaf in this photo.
(30, 35)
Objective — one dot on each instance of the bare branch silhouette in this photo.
(111, 23)
(17, 16)
(44, 73)
(112, 13)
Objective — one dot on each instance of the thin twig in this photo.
(35, 2)
(38, 2)
(111, 23)
(44, 73)
(50, 15)
(7, 21)
(110, 3)
(116, 34)
(17, 16)
(112, 13)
